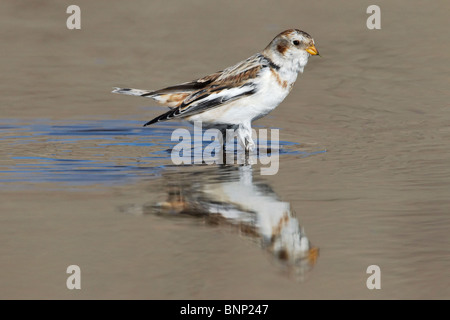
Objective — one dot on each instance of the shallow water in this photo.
(363, 179)
(83, 152)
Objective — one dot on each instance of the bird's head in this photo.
(292, 46)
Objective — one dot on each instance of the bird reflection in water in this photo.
(229, 196)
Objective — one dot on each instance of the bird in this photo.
(241, 202)
(238, 95)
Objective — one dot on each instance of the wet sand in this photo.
(367, 177)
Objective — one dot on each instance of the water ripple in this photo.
(91, 152)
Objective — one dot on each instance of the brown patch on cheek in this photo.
(283, 255)
(282, 47)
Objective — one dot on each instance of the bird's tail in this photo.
(133, 92)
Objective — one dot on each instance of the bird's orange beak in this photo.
(312, 50)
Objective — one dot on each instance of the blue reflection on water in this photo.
(151, 150)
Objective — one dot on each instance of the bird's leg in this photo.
(250, 144)
(245, 137)
(223, 133)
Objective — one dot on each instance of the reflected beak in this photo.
(312, 50)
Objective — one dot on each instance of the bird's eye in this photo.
(296, 42)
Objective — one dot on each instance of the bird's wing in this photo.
(172, 96)
(212, 91)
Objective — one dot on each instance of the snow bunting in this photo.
(234, 97)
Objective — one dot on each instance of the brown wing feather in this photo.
(232, 81)
(174, 96)
(215, 90)
(184, 94)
